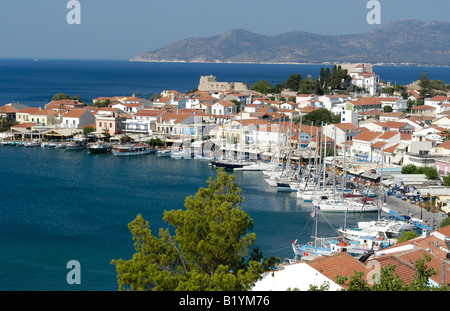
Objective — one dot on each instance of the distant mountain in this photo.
(405, 41)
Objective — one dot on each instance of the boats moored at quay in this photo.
(131, 149)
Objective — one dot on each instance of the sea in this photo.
(61, 206)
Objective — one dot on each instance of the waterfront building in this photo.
(37, 115)
(143, 122)
(111, 120)
(8, 112)
(76, 118)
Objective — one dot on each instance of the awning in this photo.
(397, 159)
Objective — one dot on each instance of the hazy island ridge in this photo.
(404, 42)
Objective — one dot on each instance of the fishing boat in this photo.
(319, 246)
(228, 164)
(34, 143)
(132, 149)
(99, 147)
(48, 145)
(77, 144)
(181, 153)
(329, 246)
(163, 153)
(346, 205)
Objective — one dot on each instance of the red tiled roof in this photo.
(8, 109)
(445, 145)
(379, 144)
(391, 149)
(75, 113)
(388, 134)
(423, 107)
(367, 136)
(341, 264)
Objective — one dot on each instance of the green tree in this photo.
(206, 253)
(293, 82)
(425, 85)
(409, 169)
(107, 135)
(63, 96)
(5, 124)
(317, 116)
(60, 96)
(103, 103)
(387, 109)
(408, 235)
(87, 130)
(262, 86)
(155, 96)
(445, 222)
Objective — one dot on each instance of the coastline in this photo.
(291, 63)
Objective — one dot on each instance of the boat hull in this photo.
(132, 150)
(228, 165)
(99, 150)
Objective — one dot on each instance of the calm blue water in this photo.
(59, 206)
(35, 83)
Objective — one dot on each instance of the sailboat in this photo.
(230, 162)
(341, 203)
(327, 246)
(386, 228)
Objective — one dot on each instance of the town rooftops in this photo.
(8, 109)
(75, 113)
(367, 136)
(423, 107)
(388, 134)
(38, 111)
(149, 113)
(345, 126)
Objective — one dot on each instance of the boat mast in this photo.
(343, 178)
(343, 165)
(320, 155)
(323, 162)
(334, 168)
(299, 148)
(381, 183)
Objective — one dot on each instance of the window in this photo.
(99, 124)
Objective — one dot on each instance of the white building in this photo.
(365, 80)
(143, 122)
(76, 118)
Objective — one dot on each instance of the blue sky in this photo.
(119, 29)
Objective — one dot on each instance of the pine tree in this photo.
(207, 251)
